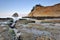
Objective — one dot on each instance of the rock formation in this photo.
(15, 15)
(39, 11)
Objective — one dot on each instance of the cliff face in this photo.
(39, 11)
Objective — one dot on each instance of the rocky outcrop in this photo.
(15, 15)
(39, 11)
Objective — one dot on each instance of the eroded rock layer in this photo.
(39, 11)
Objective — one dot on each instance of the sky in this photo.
(22, 7)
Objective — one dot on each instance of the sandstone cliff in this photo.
(39, 11)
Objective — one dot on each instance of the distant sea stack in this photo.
(15, 15)
(48, 11)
